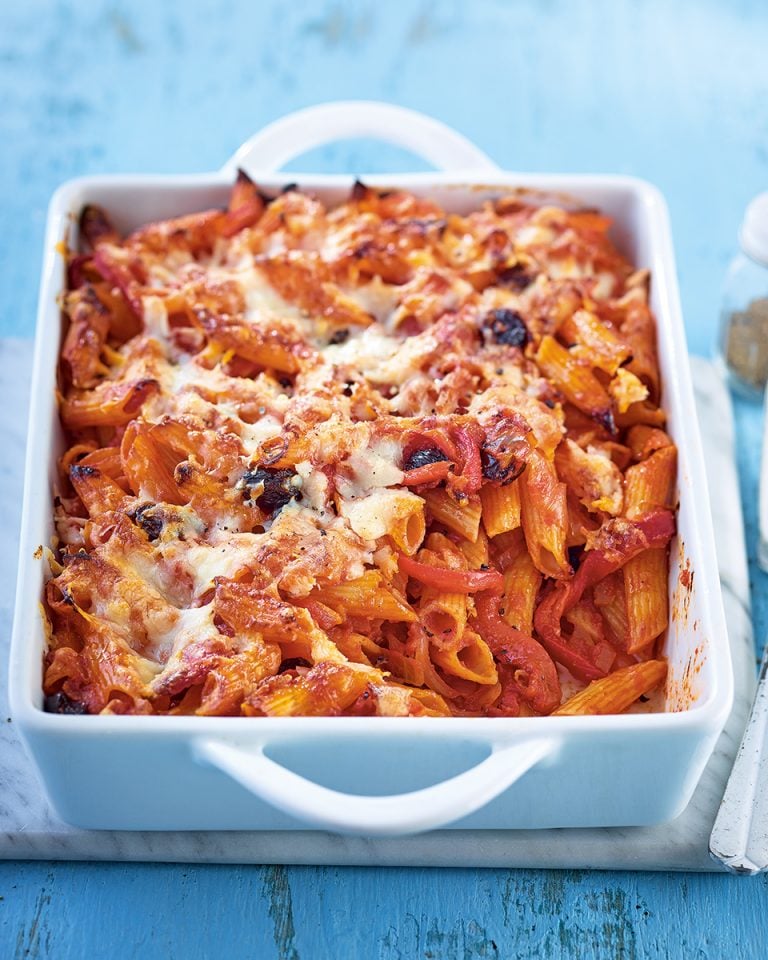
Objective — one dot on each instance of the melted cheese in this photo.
(381, 357)
(207, 561)
(377, 298)
(262, 301)
(371, 467)
(314, 485)
(374, 516)
(156, 318)
(254, 434)
(190, 626)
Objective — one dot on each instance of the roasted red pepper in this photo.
(584, 659)
(452, 581)
(430, 473)
(534, 675)
(456, 457)
(467, 442)
(616, 543)
(508, 702)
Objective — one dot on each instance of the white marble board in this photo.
(30, 830)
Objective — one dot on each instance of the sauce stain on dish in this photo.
(684, 690)
(683, 686)
(683, 592)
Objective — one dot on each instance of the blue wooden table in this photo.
(677, 93)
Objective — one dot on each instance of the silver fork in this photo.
(739, 838)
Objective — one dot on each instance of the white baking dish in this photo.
(380, 776)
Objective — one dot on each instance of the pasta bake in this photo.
(368, 460)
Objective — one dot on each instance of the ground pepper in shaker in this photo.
(744, 311)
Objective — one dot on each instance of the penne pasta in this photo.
(521, 588)
(444, 617)
(366, 596)
(501, 508)
(98, 491)
(637, 329)
(398, 514)
(407, 529)
(650, 483)
(545, 517)
(107, 404)
(85, 338)
(476, 554)
(470, 660)
(463, 518)
(644, 440)
(575, 379)
(646, 598)
(644, 413)
(617, 691)
(597, 343)
(326, 689)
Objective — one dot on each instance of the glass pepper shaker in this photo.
(744, 310)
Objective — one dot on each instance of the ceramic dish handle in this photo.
(271, 148)
(389, 816)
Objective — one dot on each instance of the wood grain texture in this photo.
(69, 912)
(677, 93)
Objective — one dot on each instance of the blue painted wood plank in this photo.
(73, 911)
(677, 93)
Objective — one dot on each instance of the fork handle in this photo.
(739, 837)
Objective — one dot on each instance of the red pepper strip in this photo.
(588, 636)
(535, 675)
(655, 529)
(452, 581)
(472, 469)
(587, 662)
(508, 703)
(429, 473)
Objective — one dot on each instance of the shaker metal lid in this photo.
(753, 235)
